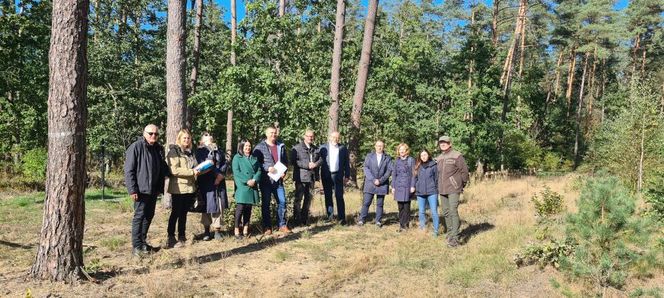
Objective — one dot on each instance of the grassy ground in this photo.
(320, 260)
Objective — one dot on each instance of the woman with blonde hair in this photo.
(403, 183)
(181, 186)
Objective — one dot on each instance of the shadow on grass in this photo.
(15, 245)
(474, 229)
(260, 244)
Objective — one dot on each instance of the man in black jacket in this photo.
(306, 160)
(145, 169)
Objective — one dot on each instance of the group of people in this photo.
(258, 175)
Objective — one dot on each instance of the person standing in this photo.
(246, 174)
(268, 153)
(452, 178)
(145, 169)
(335, 172)
(426, 189)
(211, 186)
(181, 186)
(403, 184)
(377, 171)
(306, 161)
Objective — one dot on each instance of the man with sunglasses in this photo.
(145, 169)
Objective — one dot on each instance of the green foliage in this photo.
(611, 240)
(654, 196)
(544, 254)
(549, 205)
(34, 164)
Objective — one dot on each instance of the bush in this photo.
(654, 196)
(544, 254)
(611, 239)
(33, 164)
(551, 203)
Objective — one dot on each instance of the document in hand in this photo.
(280, 170)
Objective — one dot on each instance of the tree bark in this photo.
(494, 23)
(522, 47)
(229, 116)
(176, 97)
(570, 79)
(333, 115)
(197, 47)
(506, 77)
(282, 8)
(60, 253)
(639, 183)
(360, 87)
(577, 136)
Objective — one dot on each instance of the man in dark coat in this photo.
(334, 172)
(145, 169)
(269, 153)
(306, 160)
(377, 171)
(452, 178)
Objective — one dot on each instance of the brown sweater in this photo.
(452, 172)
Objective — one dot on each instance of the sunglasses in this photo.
(152, 133)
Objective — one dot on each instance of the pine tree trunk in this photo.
(635, 49)
(522, 48)
(60, 253)
(556, 90)
(333, 115)
(570, 79)
(197, 47)
(176, 96)
(229, 117)
(360, 87)
(282, 8)
(577, 137)
(639, 183)
(591, 85)
(494, 23)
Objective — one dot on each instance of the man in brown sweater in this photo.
(452, 177)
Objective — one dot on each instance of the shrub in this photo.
(550, 253)
(551, 203)
(34, 164)
(611, 240)
(654, 196)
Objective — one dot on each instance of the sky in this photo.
(620, 4)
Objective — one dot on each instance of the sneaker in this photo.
(238, 237)
(360, 223)
(379, 224)
(137, 252)
(217, 235)
(267, 232)
(284, 230)
(207, 237)
(148, 249)
(399, 230)
(180, 243)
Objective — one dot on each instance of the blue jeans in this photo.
(432, 200)
(269, 188)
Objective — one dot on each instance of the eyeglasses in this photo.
(152, 133)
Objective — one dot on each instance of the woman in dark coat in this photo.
(426, 189)
(377, 171)
(211, 186)
(403, 183)
(246, 174)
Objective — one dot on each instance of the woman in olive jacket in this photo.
(246, 174)
(182, 186)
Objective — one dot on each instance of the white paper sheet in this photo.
(280, 170)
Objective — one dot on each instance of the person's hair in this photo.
(240, 146)
(308, 130)
(205, 135)
(178, 140)
(403, 145)
(271, 127)
(379, 140)
(420, 161)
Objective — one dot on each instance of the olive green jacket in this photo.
(244, 169)
(181, 163)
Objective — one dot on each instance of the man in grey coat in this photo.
(306, 160)
(145, 169)
(452, 178)
(377, 171)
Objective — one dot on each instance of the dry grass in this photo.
(320, 260)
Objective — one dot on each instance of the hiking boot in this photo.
(137, 252)
(148, 249)
(284, 230)
(217, 235)
(452, 243)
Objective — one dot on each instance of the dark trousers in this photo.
(366, 202)
(143, 214)
(404, 214)
(300, 207)
(242, 215)
(179, 210)
(335, 181)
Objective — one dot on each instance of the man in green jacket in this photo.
(452, 178)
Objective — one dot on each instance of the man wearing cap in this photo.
(452, 177)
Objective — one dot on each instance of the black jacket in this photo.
(145, 168)
(301, 156)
